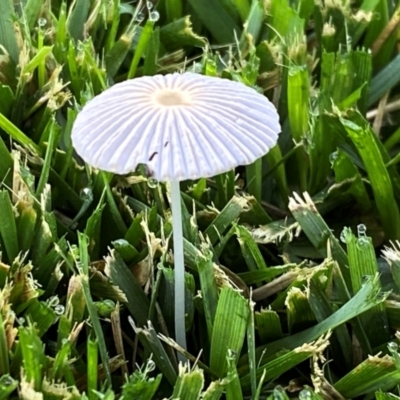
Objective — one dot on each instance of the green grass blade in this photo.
(92, 367)
(233, 388)
(189, 384)
(318, 231)
(141, 385)
(173, 9)
(251, 346)
(345, 169)
(151, 342)
(7, 386)
(77, 18)
(8, 228)
(254, 179)
(8, 38)
(365, 299)
(281, 364)
(38, 59)
(4, 358)
(33, 356)
(229, 329)
(322, 308)
(145, 36)
(216, 19)
(299, 313)
(298, 87)
(18, 135)
(209, 288)
(372, 374)
(385, 80)
(137, 302)
(363, 138)
(53, 134)
(179, 33)
(362, 262)
(268, 325)
(230, 212)
(250, 250)
(84, 278)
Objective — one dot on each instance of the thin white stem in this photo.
(180, 331)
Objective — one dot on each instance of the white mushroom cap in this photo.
(182, 126)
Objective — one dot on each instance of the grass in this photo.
(292, 264)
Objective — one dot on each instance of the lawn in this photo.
(292, 263)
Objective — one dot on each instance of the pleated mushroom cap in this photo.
(182, 126)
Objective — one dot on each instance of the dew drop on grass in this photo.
(149, 5)
(42, 22)
(59, 309)
(7, 381)
(344, 235)
(53, 301)
(86, 194)
(333, 157)
(362, 237)
(393, 346)
(362, 241)
(121, 242)
(152, 183)
(361, 230)
(279, 393)
(150, 366)
(305, 394)
(140, 17)
(154, 16)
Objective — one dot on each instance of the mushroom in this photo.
(182, 126)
